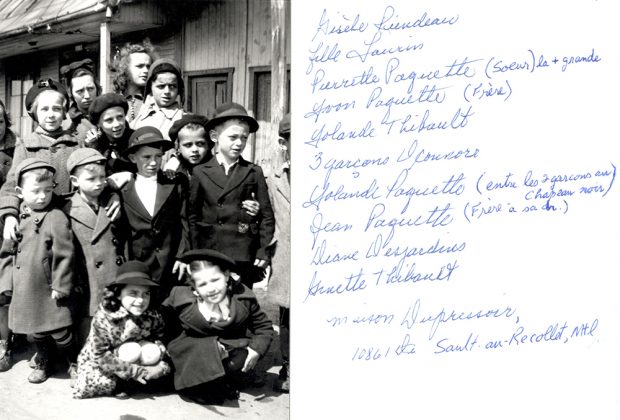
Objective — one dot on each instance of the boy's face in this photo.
(165, 89)
(35, 194)
(147, 160)
(193, 145)
(210, 283)
(90, 181)
(135, 298)
(83, 90)
(112, 122)
(50, 111)
(139, 64)
(230, 138)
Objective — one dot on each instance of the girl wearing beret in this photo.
(221, 329)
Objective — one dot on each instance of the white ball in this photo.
(129, 352)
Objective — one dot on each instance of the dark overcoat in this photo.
(99, 249)
(159, 239)
(7, 148)
(216, 218)
(55, 151)
(42, 262)
(194, 351)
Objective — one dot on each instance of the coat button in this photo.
(157, 250)
(23, 215)
(98, 264)
(36, 220)
(119, 261)
(17, 266)
(19, 250)
(115, 241)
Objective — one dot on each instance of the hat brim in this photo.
(164, 143)
(219, 120)
(224, 261)
(136, 279)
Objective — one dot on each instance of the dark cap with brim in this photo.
(147, 136)
(284, 129)
(84, 156)
(29, 164)
(134, 272)
(173, 133)
(229, 111)
(216, 257)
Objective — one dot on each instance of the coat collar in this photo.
(215, 173)
(43, 141)
(165, 187)
(84, 214)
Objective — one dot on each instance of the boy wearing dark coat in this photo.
(222, 329)
(219, 188)
(154, 208)
(40, 277)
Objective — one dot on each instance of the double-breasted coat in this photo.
(216, 218)
(159, 239)
(55, 151)
(42, 261)
(194, 351)
(280, 194)
(7, 148)
(99, 249)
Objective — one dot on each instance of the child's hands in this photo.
(251, 360)
(117, 180)
(92, 136)
(139, 373)
(113, 210)
(154, 372)
(181, 268)
(260, 263)
(11, 228)
(252, 207)
(58, 295)
(170, 168)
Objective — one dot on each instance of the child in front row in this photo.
(219, 189)
(40, 278)
(124, 316)
(99, 243)
(222, 329)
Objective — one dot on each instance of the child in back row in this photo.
(220, 188)
(37, 270)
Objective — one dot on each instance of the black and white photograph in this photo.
(145, 209)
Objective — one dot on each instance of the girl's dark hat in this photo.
(40, 86)
(104, 102)
(222, 260)
(165, 65)
(147, 136)
(229, 111)
(134, 272)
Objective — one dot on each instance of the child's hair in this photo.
(40, 174)
(121, 63)
(110, 298)
(88, 167)
(63, 101)
(193, 127)
(198, 265)
(7, 118)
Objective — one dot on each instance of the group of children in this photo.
(126, 271)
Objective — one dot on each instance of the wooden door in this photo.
(208, 91)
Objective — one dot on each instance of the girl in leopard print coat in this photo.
(123, 316)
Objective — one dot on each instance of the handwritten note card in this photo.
(456, 209)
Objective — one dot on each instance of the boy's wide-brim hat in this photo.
(104, 102)
(147, 136)
(173, 133)
(134, 272)
(216, 257)
(284, 129)
(83, 156)
(228, 111)
(29, 164)
(40, 86)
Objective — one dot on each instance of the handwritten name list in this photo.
(445, 183)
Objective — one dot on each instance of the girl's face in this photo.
(139, 63)
(50, 111)
(135, 298)
(2, 124)
(84, 91)
(192, 145)
(165, 89)
(211, 283)
(112, 122)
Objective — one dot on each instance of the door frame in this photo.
(189, 75)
